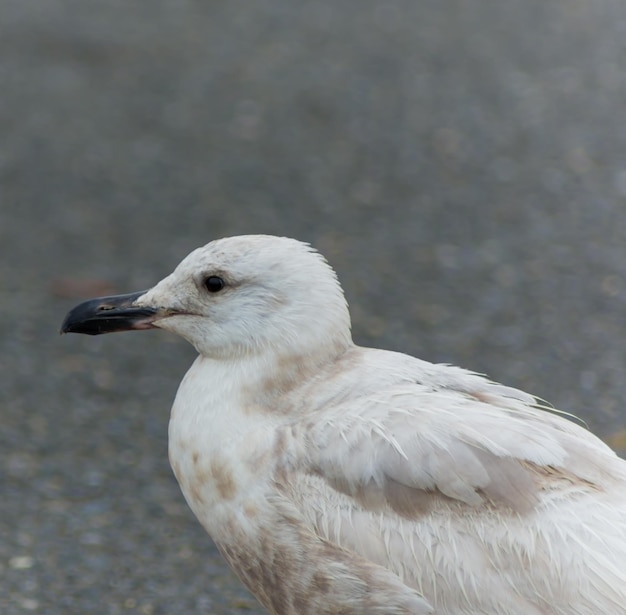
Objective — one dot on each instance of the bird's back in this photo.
(465, 490)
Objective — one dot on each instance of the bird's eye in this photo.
(214, 284)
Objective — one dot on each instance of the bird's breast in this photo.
(219, 452)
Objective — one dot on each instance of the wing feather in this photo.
(450, 434)
(461, 487)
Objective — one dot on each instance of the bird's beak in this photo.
(110, 314)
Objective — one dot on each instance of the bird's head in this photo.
(234, 297)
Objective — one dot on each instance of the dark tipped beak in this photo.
(109, 314)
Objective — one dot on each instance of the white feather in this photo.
(343, 479)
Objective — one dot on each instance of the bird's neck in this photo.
(264, 379)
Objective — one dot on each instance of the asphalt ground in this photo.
(461, 164)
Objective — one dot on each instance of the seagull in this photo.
(337, 479)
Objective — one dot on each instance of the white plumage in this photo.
(340, 479)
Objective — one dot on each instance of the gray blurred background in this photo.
(461, 164)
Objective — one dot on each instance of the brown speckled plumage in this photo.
(343, 480)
